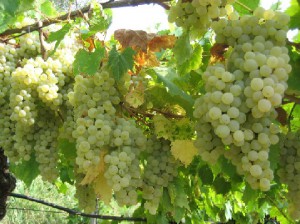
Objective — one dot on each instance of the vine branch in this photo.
(71, 15)
(74, 212)
(244, 6)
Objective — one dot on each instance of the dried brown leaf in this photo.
(137, 39)
(161, 42)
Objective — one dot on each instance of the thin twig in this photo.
(292, 98)
(41, 37)
(74, 212)
(290, 116)
(77, 13)
(296, 45)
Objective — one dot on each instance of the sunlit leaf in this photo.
(88, 62)
(120, 63)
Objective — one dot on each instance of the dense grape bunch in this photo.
(160, 169)
(240, 102)
(93, 99)
(123, 171)
(289, 171)
(197, 15)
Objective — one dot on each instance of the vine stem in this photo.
(74, 212)
(79, 12)
(290, 116)
(244, 6)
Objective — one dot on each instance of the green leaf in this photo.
(88, 62)
(120, 63)
(274, 156)
(178, 214)
(294, 12)
(182, 49)
(61, 187)
(67, 149)
(177, 193)
(193, 62)
(243, 6)
(166, 77)
(48, 9)
(221, 185)
(9, 7)
(58, 36)
(206, 175)
(166, 201)
(249, 194)
(27, 171)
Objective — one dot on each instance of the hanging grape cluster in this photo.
(289, 171)
(238, 108)
(197, 15)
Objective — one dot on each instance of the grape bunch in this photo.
(160, 169)
(197, 15)
(240, 101)
(289, 171)
(123, 171)
(93, 101)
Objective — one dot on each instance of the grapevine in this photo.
(156, 121)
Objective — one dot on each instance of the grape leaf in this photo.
(177, 193)
(221, 185)
(206, 175)
(166, 77)
(135, 96)
(294, 12)
(120, 63)
(274, 156)
(136, 39)
(58, 36)
(27, 171)
(102, 189)
(48, 9)
(182, 49)
(243, 6)
(67, 149)
(178, 214)
(9, 7)
(95, 170)
(161, 42)
(100, 21)
(166, 201)
(249, 194)
(184, 150)
(88, 62)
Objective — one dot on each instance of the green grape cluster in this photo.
(289, 171)
(240, 101)
(197, 15)
(93, 101)
(34, 91)
(123, 171)
(160, 169)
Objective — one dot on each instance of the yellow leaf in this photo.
(183, 150)
(102, 189)
(136, 95)
(95, 170)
